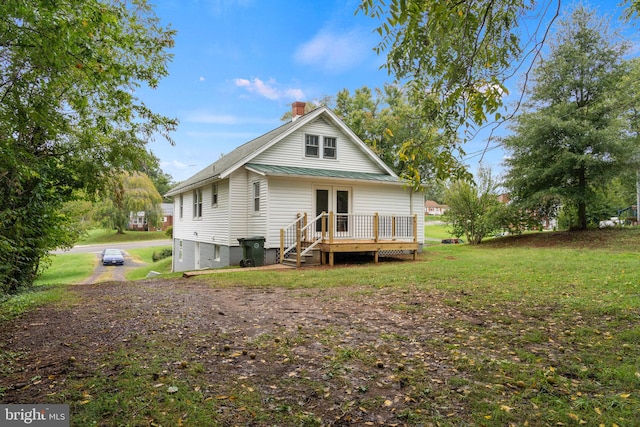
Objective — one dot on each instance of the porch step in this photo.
(308, 260)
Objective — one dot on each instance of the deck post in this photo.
(298, 243)
(376, 227)
(331, 217)
(281, 245)
(393, 227)
(415, 235)
(331, 255)
(323, 226)
(304, 222)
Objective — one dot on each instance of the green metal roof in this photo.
(322, 173)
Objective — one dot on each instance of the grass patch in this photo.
(15, 305)
(68, 269)
(100, 236)
(437, 231)
(145, 255)
(50, 286)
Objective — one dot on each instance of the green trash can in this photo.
(252, 251)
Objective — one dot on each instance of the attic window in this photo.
(311, 143)
(329, 148)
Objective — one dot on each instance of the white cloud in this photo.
(205, 117)
(201, 79)
(269, 89)
(334, 52)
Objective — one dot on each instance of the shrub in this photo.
(169, 232)
(164, 253)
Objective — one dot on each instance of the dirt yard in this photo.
(224, 330)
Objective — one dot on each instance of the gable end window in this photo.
(197, 203)
(181, 208)
(311, 145)
(214, 195)
(256, 197)
(329, 148)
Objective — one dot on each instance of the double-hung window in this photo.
(311, 145)
(197, 203)
(214, 195)
(181, 207)
(329, 147)
(325, 150)
(256, 196)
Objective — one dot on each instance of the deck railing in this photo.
(303, 235)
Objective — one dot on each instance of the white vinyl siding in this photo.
(239, 207)
(213, 226)
(288, 197)
(257, 219)
(291, 151)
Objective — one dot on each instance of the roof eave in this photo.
(191, 186)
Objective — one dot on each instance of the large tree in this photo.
(69, 114)
(390, 123)
(130, 193)
(456, 57)
(571, 138)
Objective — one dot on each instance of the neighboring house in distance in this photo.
(137, 221)
(167, 216)
(434, 208)
(308, 185)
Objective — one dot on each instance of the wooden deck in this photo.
(329, 233)
(328, 250)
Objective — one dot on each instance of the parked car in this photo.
(112, 257)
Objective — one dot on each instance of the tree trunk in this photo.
(582, 203)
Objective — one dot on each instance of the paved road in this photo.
(124, 246)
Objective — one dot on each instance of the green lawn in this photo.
(98, 236)
(162, 266)
(437, 231)
(546, 332)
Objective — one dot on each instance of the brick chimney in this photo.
(297, 110)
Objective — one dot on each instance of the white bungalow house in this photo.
(310, 186)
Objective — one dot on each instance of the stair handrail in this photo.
(311, 226)
(300, 231)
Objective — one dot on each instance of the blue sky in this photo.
(239, 64)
